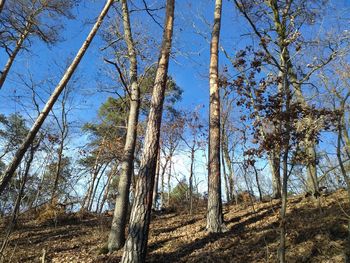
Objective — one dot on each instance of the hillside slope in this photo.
(313, 236)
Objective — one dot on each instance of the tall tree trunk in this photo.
(117, 234)
(168, 182)
(229, 164)
(96, 186)
(227, 187)
(135, 248)
(105, 194)
(15, 211)
(95, 170)
(58, 170)
(13, 55)
(347, 181)
(274, 161)
(156, 182)
(191, 179)
(214, 213)
(11, 168)
(257, 182)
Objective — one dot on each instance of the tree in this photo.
(117, 234)
(135, 248)
(30, 19)
(194, 142)
(11, 168)
(215, 216)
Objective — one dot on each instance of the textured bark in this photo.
(13, 55)
(117, 234)
(214, 216)
(11, 168)
(156, 182)
(274, 161)
(135, 248)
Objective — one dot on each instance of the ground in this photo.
(314, 235)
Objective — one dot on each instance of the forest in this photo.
(174, 131)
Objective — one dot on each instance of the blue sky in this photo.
(189, 68)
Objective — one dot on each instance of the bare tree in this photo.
(28, 19)
(11, 168)
(214, 216)
(117, 234)
(135, 248)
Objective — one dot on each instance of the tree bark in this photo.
(214, 216)
(135, 248)
(274, 161)
(156, 182)
(117, 234)
(11, 168)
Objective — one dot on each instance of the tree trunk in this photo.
(156, 182)
(169, 185)
(223, 163)
(15, 211)
(257, 182)
(95, 170)
(58, 170)
(117, 234)
(90, 204)
(214, 216)
(135, 248)
(274, 162)
(11, 168)
(191, 180)
(105, 194)
(12, 57)
(228, 161)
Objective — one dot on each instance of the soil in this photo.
(252, 235)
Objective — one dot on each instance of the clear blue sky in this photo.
(189, 68)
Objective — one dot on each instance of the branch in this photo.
(120, 74)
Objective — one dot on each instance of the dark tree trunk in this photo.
(214, 216)
(11, 168)
(135, 248)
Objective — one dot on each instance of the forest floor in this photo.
(252, 235)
